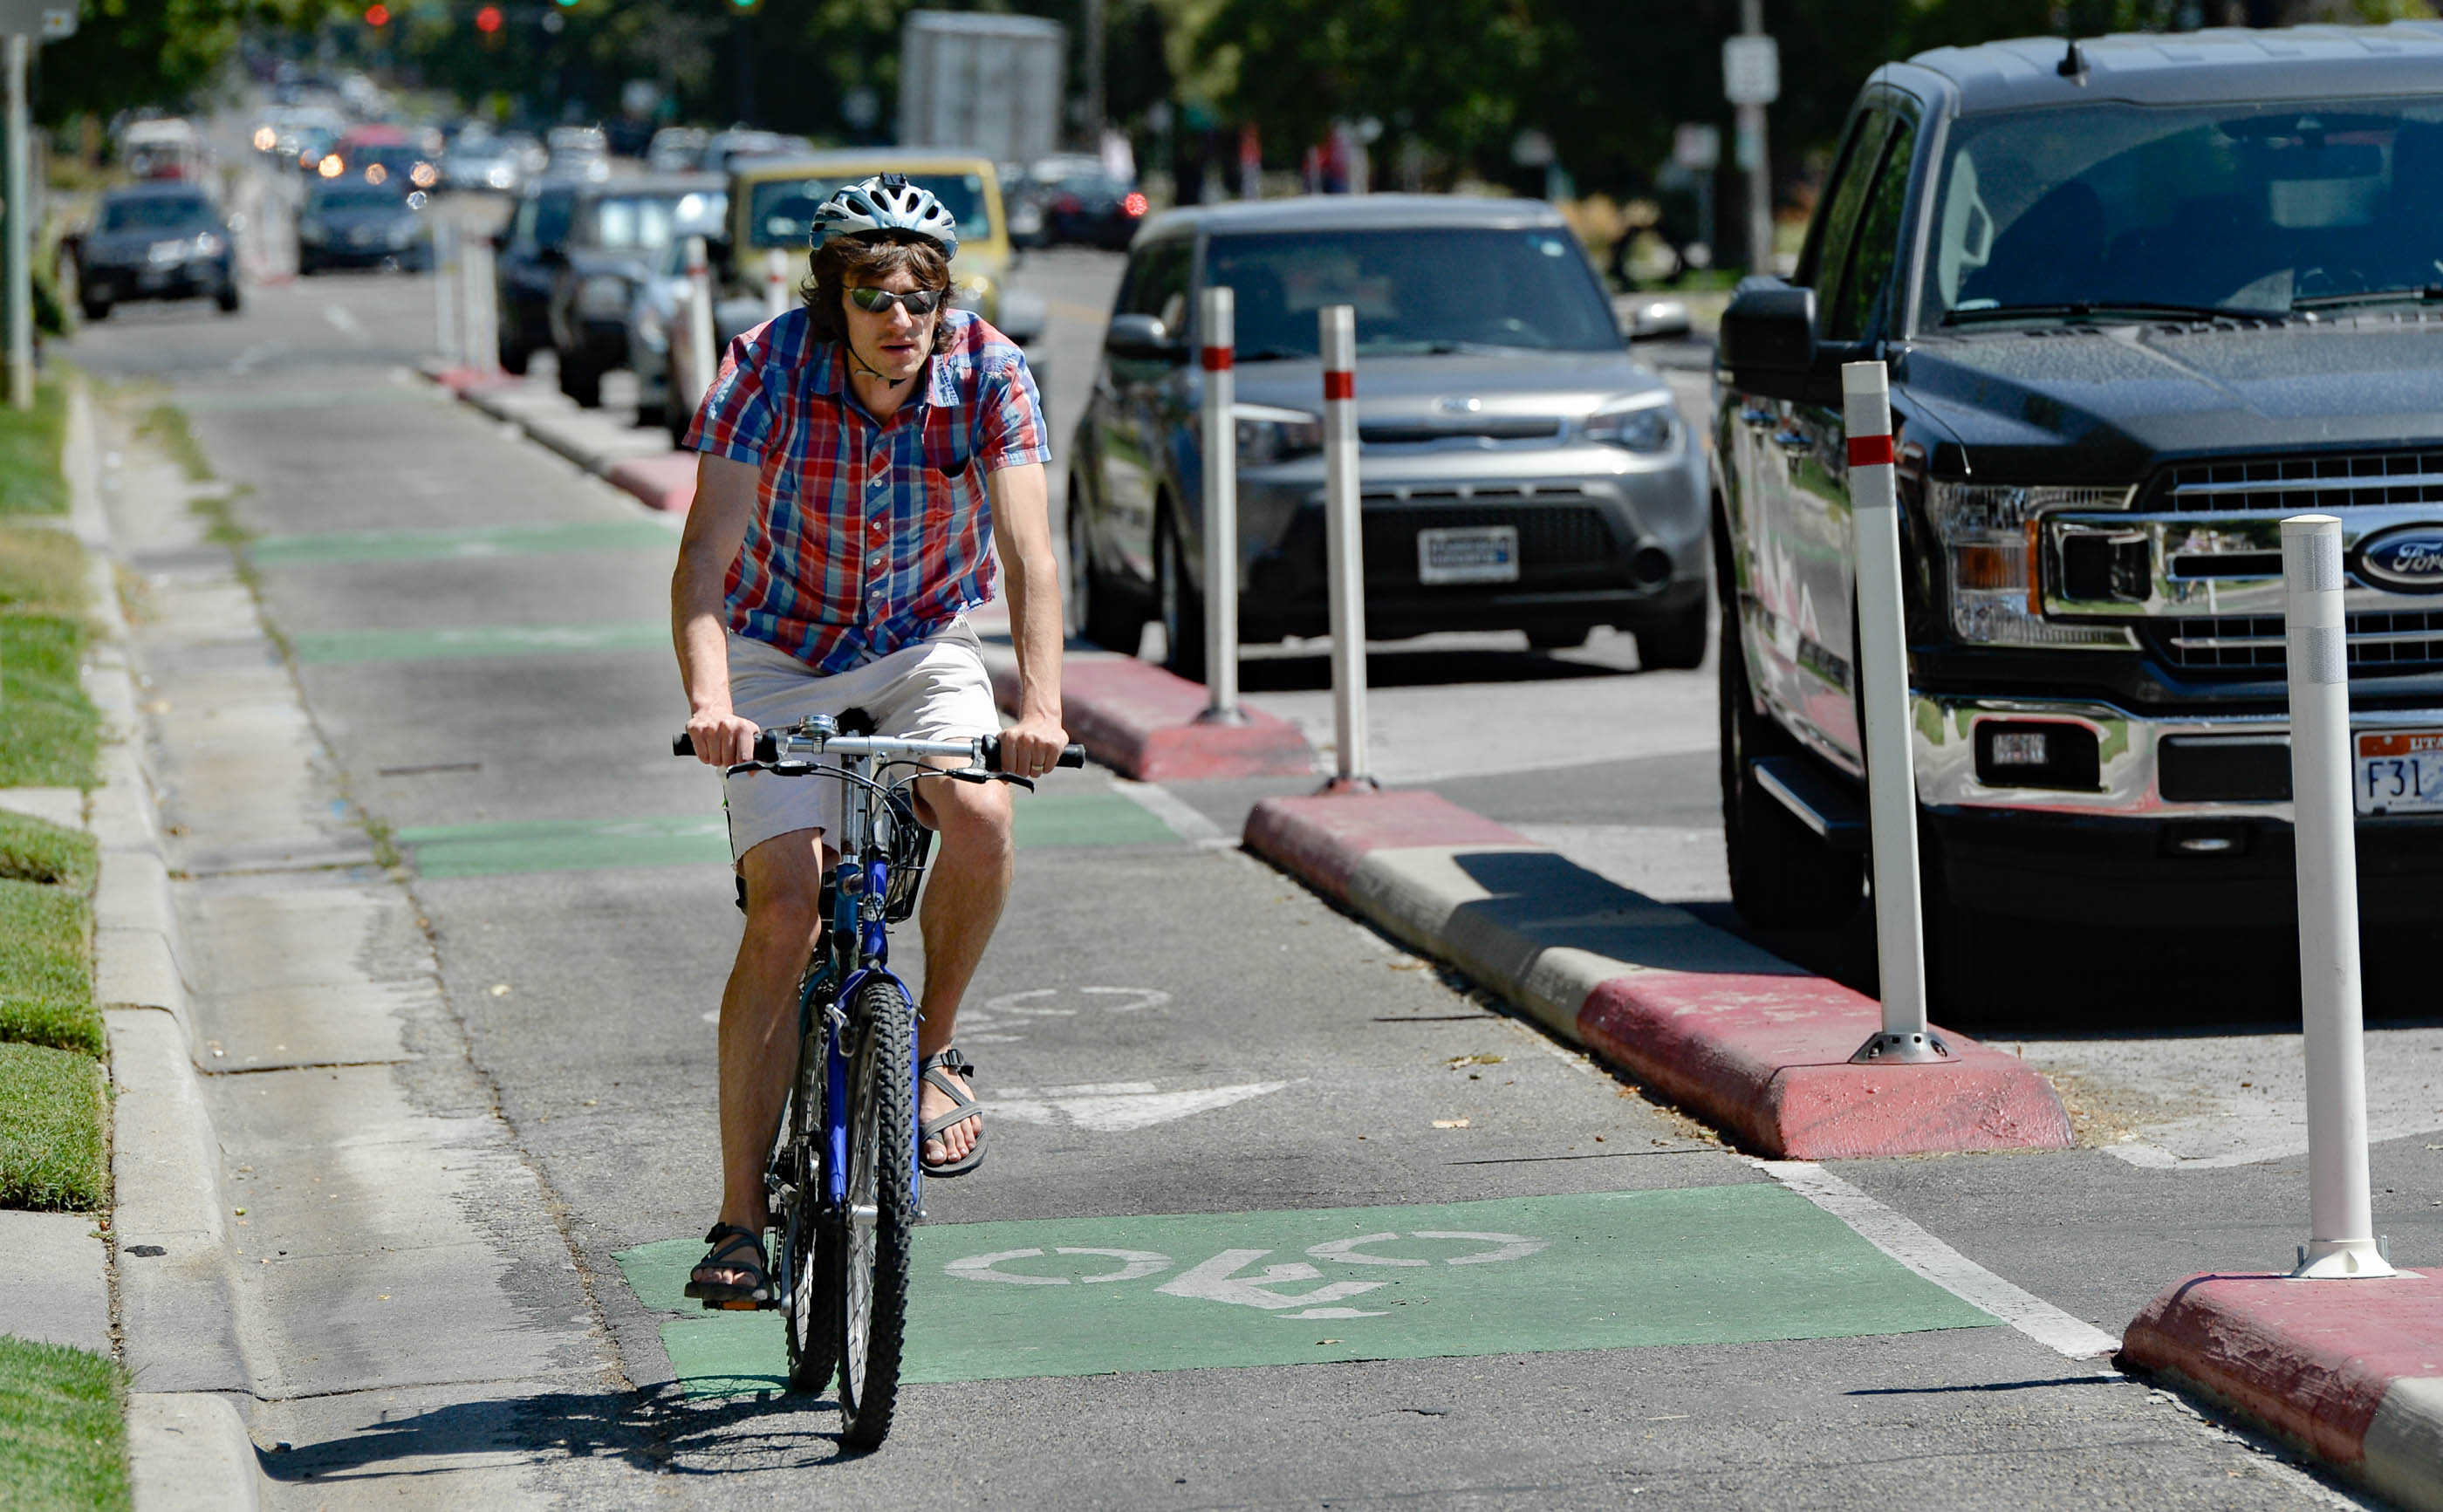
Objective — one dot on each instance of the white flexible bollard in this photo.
(445, 274)
(2341, 1241)
(1217, 320)
(478, 304)
(1343, 535)
(777, 293)
(701, 359)
(1891, 762)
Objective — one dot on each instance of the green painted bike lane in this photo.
(1742, 1264)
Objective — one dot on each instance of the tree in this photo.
(132, 53)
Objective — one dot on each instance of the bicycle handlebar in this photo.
(986, 750)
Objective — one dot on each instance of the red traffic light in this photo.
(488, 20)
(377, 16)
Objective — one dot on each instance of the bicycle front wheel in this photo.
(874, 1233)
(809, 1247)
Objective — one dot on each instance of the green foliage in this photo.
(41, 570)
(62, 1430)
(49, 733)
(52, 1153)
(134, 53)
(32, 851)
(46, 969)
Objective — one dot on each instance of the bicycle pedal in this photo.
(739, 1306)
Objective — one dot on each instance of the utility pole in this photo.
(1752, 79)
(1094, 24)
(18, 234)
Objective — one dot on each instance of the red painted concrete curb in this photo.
(1768, 1057)
(664, 482)
(2311, 1360)
(1140, 720)
(1322, 838)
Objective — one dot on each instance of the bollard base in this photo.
(1885, 1048)
(1350, 784)
(2341, 1259)
(1216, 714)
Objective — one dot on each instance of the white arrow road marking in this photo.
(1216, 1280)
(345, 324)
(1116, 1107)
(1513, 1246)
(1345, 1250)
(1136, 1264)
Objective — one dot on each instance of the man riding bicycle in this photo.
(863, 459)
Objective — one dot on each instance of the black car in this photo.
(1091, 209)
(349, 223)
(532, 246)
(157, 241)
(617, 231)
(2139, 302)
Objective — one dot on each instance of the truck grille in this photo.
(2290, 485)
(2380, 641)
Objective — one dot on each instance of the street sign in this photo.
(1697, 146)
(1750, 70)
(46, 19)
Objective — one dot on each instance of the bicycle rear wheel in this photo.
(873, 1234)
(809, 1247)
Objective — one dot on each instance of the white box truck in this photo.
(983, 83)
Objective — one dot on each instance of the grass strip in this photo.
(33, 851)
(46, 971)
(51, 1146)
(63, 1429)
(31, 480)
(50, 735)
(42, 571)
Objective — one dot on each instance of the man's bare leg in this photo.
(963, 902)
(758, 1040)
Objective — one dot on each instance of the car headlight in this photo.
(207, 245)
(162, 252)
(603, 296)
(403, 234)
(649, 329)
(311, 230)
(1645, 423)
(1267, 436)
(1989, 532)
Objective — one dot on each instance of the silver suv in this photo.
(1520, 470)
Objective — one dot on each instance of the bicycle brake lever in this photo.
(968, 774)
(1012, 778)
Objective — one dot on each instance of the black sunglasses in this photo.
(916, 301)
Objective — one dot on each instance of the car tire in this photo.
(1559, 637)
(675, 419)
(306, 266)
(1783, 874)
(1676, 645)
(94, 309)
(228, 297)
(1180, 606)
(1095, 613)
(581, 382)
(514, 357)
(650, 416)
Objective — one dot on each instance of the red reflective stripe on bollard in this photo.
(1870, 451)
(1216, 358)
(1339, 385)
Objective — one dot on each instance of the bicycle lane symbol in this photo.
(1219, 1278)
(1004, 1019)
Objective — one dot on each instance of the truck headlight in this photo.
(1267, 436)
(603, 296)
(973, 293)
(1644, 424)
(1989, 533)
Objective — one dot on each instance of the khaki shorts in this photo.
(936, 690)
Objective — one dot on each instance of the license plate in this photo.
(2400, 772)
(1483, 553)
(153, 277)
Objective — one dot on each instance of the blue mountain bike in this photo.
(846, 1168)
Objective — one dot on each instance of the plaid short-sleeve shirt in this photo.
(868, 536)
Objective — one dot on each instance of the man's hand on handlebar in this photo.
(1032, 746)
(721, 738)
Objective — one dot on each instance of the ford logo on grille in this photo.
(2408, 559)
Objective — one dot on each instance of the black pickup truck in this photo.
(2141, 298)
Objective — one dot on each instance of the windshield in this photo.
(636, 220)
(151, 213)
(1414, 290)
(353, 196)
(783, 208)
(2238, 207)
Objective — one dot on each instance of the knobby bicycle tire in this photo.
(872, 1289)
(807, 1243)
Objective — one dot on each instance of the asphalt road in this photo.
(1275, 1215)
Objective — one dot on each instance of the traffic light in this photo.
(376, 14)
(488, 20)
(745, 8)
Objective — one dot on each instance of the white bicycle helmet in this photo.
(887, 203)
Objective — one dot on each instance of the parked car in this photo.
(162, 148)
(165, 239)
(1091, 209)
(352, 223)
(618, 231)
(657, 316)
(577, 152)
(1522, 471)
(772, 205)
(2138, 303)
(521, 268)
(723, 150)
(482, 161)
(676, 149)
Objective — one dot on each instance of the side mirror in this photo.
(1645, 318)
(1142, 337)
(1767, 342)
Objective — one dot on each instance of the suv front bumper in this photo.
(2123, 853)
